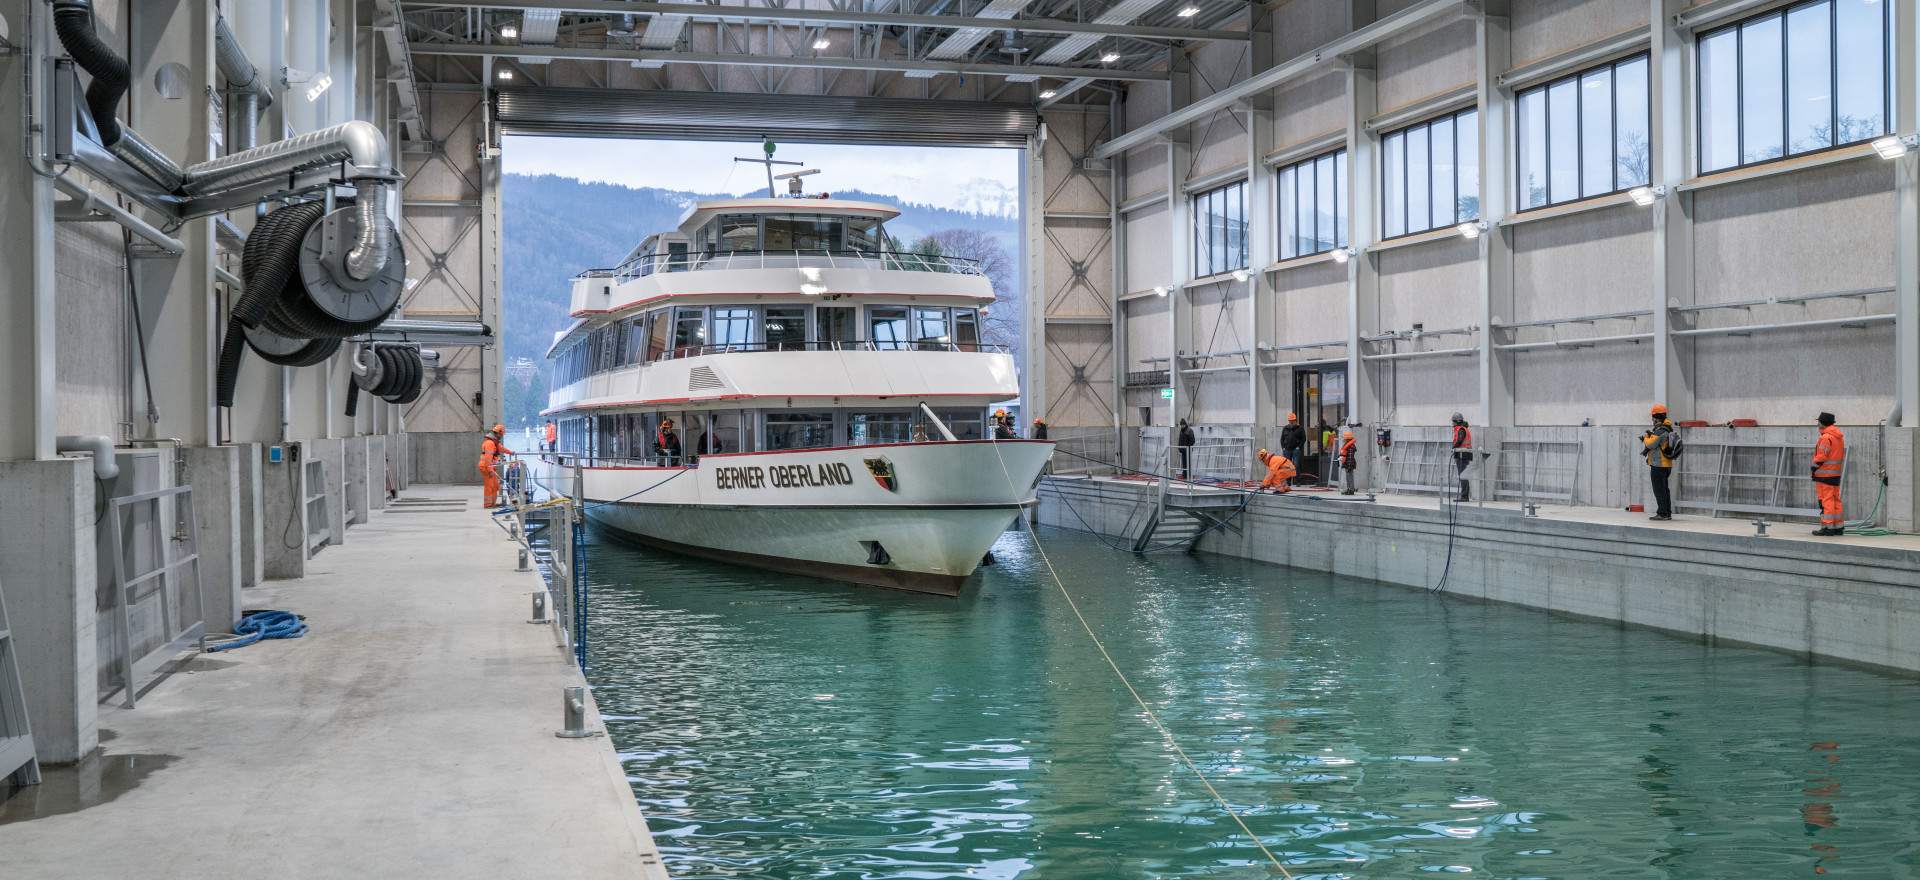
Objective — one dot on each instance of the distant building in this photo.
(520, 369)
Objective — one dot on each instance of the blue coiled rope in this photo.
(264, 625)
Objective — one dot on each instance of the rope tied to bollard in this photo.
(259, 625)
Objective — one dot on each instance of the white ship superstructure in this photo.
(828, 397)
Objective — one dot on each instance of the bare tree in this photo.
(1002, 323)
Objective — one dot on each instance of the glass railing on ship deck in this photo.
(687, 351)
(895, 261)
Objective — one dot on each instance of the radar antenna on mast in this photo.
(766, 145)
(793, 180)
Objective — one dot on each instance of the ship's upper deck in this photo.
(762, 247)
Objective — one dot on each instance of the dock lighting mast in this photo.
(766, 145)
(793, 180)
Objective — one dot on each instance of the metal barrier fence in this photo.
(1100, 447)
(1536, 469)
(156, 610)
(1222, 459)
(1422, 466)
(319, 526)
(1758, 478)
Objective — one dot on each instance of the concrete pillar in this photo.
(26, 258)
(250, 513)
(492, 359)
(1906, 273)
(50, 573)
(1180, 239)
(283, 516)
(1263, 237)
(1033, 260)
(1673, 135)
(1366, 387)
(1496, 243)
(214, 473)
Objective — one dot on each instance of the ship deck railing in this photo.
(885, 261)
(687, 351)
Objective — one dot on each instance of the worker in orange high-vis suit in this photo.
(1349, 459)
(1280, 473)
(493, 454)
(1829, 454)
(553, 435)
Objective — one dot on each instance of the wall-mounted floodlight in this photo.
(1894, 146)
(1188, 12)
(1472, 228)
(509, 32)
(1047, 94)
(1646, 195)
(1241, 274)
(821, 44)
(1341, 255)
(1162, 290)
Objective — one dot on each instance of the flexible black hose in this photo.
(227, 377)
(353, 396)
(389, 383)
(264, 259)
(73, 21)
(416, 377)
(314, 352)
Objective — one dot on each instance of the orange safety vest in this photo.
(552, 432)
(1828, 455)
(1348, 452)
(1279, 471)
(1462, 438)
(491, 450)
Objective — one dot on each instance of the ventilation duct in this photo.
(241, 76)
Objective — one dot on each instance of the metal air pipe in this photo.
(358, 143)
(242, 76)
(375, 246)
(105, 466)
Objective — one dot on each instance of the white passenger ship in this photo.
(830, 397)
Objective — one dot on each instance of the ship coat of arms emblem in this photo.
(882, 471)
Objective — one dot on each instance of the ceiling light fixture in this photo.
(1188, 12)
(505, 74)
(1048, 94)
(1110, 57)
(509, 32)
(1646, 195)
(821, 44)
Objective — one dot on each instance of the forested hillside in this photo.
(556, 227)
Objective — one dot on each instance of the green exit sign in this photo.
(1166, 393)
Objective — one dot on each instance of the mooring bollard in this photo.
(573, 701)
(1760, 527)
(523, 561)
(539, 608)
(513, 530)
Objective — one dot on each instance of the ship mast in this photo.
(767, 146)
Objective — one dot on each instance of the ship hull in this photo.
(922, 524)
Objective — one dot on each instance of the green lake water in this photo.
(777, 726)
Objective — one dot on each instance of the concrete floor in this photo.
(410, 733)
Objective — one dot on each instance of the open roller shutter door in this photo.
(714, 116)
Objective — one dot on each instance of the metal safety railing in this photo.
(17, 757)
(1220, 459)
(156, 609)
(1422, 466)
(319, 526)
(553, 531)
(1086, 455)
(1742, 478)
(1536, 470)
(876, 260)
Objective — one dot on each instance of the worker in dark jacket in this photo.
(1039, 429)
(666, 443)
(1293, 439)
(1829, 456)
(1462, 453)
(1185, 441)
(1349, 459)
(1659, 464)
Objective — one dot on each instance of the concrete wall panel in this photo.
(1147, 329)
(1607, 384)
(1785, 378)
(1146, 171)
(1218, 143)
(1310, 107)
(1434, 283)
(1079, 375)
(1427, 390)
(1310, 306)
(1149, 239)
(1814, 231)
(1300, 26)
(1427, 61)
(1541, 28)
(1145, 102)
(1079, 268)
(1589, 263)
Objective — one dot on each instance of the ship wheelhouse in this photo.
(775, 324)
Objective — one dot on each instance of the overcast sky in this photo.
(941, 176)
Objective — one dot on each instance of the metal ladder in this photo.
(16, 737)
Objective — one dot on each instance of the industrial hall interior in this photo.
(1603, 308)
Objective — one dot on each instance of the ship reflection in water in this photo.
(778, 726)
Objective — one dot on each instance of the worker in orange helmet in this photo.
(1280, 473)
(1659, 443)
(493, 454)
(1829, 456)
(1349, 458)
(1293, 438)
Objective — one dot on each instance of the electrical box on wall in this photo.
(274, 455)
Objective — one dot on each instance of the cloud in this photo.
(947, 177)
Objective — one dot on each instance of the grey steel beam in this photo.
(808, 61)
(1361, 38)
(730, 12)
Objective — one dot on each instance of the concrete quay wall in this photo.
(1844, 601)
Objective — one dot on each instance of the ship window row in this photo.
(637, 439)
(1786, 82)
(806, 233)
(690, 331)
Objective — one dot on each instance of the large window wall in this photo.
(1796, 80)
(1583, 135)
(1430, 174)
(1313, 205)
(1220, 230)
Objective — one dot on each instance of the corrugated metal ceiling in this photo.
(733, 116)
